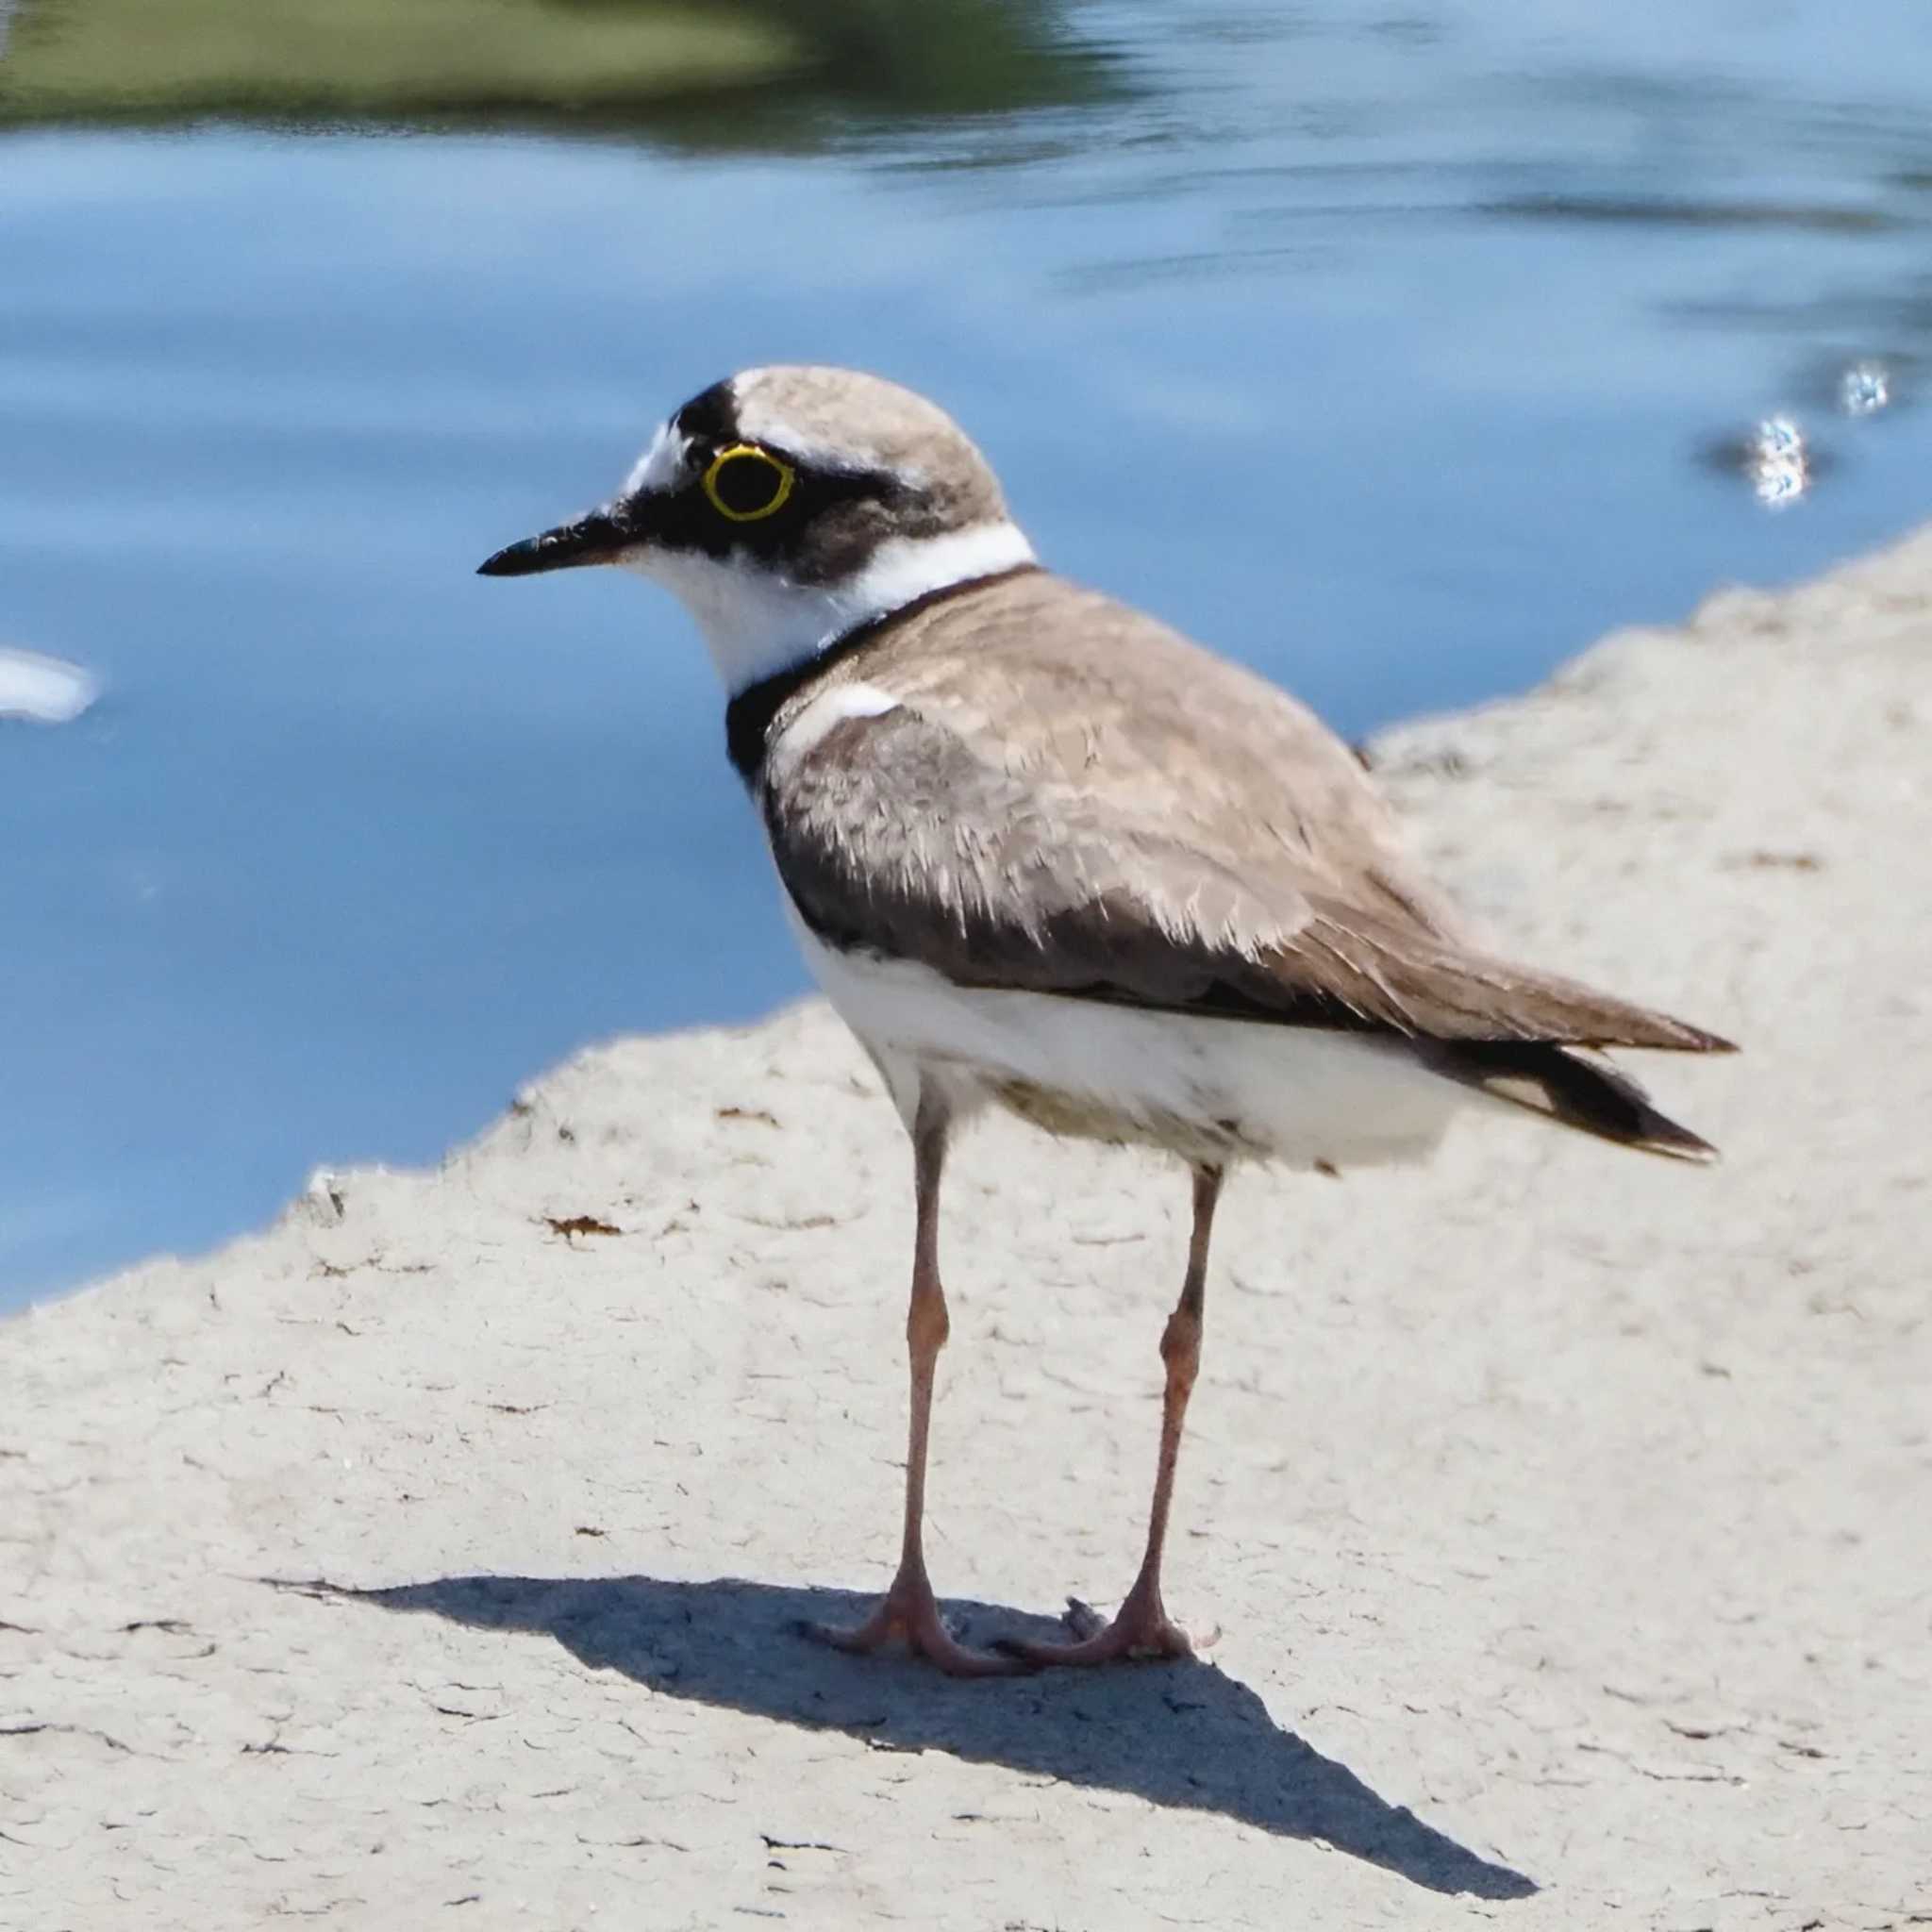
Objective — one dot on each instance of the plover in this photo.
(1045, 853)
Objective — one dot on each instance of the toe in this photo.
(856, 1639)
(1133, 1635)
(1082, 1620)
(957, 1660)
(910, 1612)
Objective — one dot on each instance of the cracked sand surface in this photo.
(432, 1558)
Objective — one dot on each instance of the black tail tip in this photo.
(1576, 1089)
(1661, 1136)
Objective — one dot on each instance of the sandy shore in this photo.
(1567, 1516)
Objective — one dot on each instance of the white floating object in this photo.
(45, 689)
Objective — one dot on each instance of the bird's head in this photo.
(787, 506)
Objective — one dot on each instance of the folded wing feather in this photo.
(1102, 810)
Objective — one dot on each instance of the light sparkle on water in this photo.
(1864, 388)
(1777, 459)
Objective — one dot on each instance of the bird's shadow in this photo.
(1178, 1734)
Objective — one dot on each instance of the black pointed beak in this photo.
(598, 537)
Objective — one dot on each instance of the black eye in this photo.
(745, 483)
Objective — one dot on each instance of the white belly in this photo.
(1208, 1089)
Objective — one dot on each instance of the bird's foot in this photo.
(1141, 1631)
(910, 1610)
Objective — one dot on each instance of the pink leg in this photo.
(1141, 1627)
(909, 1608)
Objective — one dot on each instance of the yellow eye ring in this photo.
(783, 477)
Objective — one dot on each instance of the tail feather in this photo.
(1572, 1087)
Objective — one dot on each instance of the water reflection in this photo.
(1372, 343)
(735, 74)
(1670, 211)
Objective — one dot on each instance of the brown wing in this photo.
(1069, 798)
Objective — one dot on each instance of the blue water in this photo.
(1381, 347)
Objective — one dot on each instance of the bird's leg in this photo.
(1141, 1627)
(909, 1609)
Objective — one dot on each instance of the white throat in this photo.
(756, 624)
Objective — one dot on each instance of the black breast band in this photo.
(749, 715)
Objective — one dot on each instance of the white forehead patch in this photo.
(761, 418)
(764, 427)
(661, 466)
